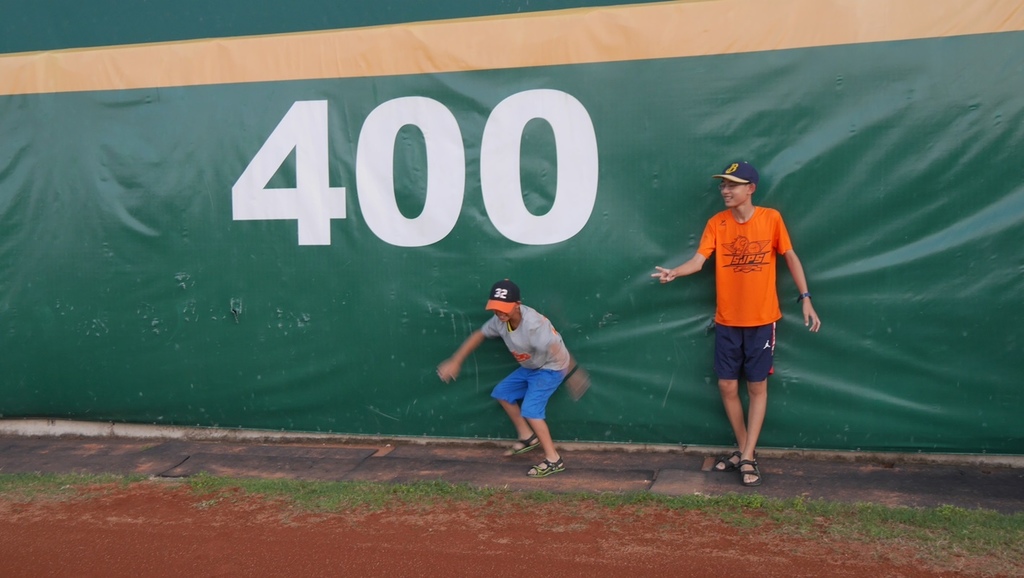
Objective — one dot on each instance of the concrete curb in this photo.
(40, 427)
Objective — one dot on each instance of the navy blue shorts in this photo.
(744, 352)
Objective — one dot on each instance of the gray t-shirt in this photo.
(535, 344)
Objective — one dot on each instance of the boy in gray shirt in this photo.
(544, 362)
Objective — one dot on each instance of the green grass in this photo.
(339, 496)
(27, 487)
(936, 533)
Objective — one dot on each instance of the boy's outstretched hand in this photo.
(448, 370)
(664, 275)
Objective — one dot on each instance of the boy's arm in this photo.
(688, 268)
(796, 269)
(449, 368)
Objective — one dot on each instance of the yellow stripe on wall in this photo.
(585, 35)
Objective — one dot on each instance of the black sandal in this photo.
(546, 468)
(727, 464)
(529, 444)
(755, 472)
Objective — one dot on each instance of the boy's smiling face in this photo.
(735, 194)
(506, 317)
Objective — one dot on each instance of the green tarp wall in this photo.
(222, 239)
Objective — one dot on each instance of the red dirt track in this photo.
(162, 529)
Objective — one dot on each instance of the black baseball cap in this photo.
(503, 297)
(739, 172)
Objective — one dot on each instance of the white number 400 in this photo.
(314, 203)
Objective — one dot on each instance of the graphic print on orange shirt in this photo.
(746, 256)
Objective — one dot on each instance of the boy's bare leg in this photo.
(758, 391)
(730, 391)
(540, 427)
(523, 430)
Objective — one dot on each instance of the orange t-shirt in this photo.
(745, 265)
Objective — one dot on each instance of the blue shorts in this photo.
(532, 386)
(747, 351)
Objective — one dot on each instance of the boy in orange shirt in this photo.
(747, 239)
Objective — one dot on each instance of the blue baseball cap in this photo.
(739, 172)
(503, 297)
